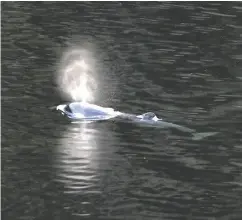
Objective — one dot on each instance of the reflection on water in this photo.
(79, 157)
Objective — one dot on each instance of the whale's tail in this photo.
(200, 136)
(195, 135)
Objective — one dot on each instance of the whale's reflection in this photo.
(80, 157)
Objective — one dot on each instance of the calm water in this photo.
(180, 60)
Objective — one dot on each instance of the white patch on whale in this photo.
(85, 111)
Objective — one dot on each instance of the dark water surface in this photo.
(182, 61)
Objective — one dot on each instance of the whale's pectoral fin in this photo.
(200, 136)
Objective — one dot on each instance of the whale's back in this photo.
(89, 110)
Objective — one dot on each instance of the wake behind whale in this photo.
(84, 112)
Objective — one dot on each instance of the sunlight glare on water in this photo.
(76, 75)
(78, 159)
